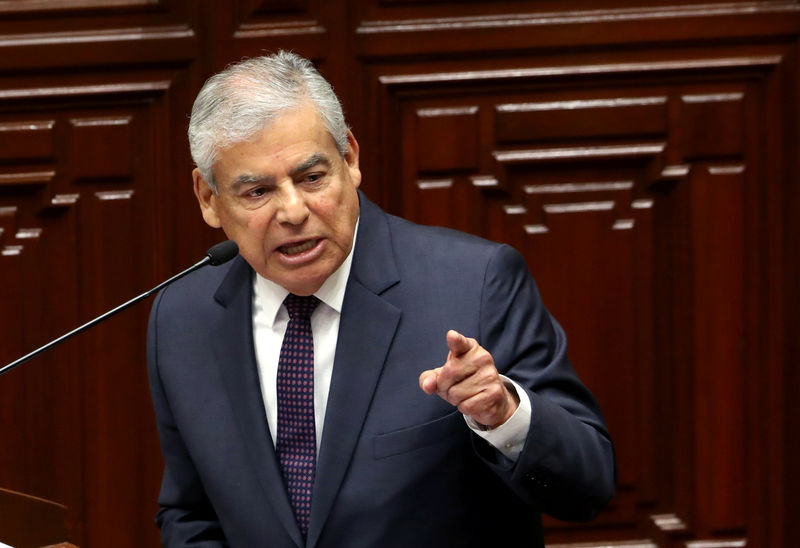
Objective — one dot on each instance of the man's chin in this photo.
(300, 285)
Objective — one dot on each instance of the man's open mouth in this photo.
(294, 249)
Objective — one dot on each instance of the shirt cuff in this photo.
(509, 437)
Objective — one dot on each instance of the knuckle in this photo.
(469, 408)
(487, 376)
(450, 368)
(497, 392)
(478, 350)
(451, 395)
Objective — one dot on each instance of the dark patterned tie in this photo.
(296, 445)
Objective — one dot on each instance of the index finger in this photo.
(459, 344)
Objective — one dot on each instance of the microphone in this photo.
(215, 256)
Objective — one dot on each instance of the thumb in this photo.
(428, 380)
(458, 343)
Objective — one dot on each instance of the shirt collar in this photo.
(269, 296)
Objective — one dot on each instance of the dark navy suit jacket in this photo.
(396, 467)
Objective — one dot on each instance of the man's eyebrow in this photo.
(313, 161)
(246, 179)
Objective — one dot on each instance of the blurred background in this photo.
(643, 156)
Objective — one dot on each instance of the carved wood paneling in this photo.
(271, 8)
(267, 25)
(588, 118)
(717, 215)
(596, 176)
(101, 148)
(641, 157)
(77, 223)
(26, 140)
(456, 126)
(33, 6)
(510, 27)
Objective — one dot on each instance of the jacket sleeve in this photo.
(185, 515)
(567, 466)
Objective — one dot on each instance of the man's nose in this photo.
(292, 209)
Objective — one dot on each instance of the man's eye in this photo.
(313, 177)
(256, 192)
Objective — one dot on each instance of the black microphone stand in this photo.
(218, 254)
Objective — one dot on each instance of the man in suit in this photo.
(444, 410)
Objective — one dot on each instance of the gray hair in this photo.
(237, 103)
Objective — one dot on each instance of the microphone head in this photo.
(222, 252)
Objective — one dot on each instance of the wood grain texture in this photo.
(643, 158)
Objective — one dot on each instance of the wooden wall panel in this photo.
(719, 291)
(85, 170)
(67, 6)
(643, 158)
(577, 162)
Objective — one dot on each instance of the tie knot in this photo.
(300, 307)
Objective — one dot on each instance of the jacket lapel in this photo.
(234, 354)
(366, 330)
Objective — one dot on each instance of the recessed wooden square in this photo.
(26, 140)
(712, 125)
(447, 139)
(585, 118)
(102, 148)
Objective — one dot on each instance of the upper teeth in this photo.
(297, 248)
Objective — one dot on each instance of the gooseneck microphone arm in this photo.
(216, 255)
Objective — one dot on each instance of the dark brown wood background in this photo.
(642, 155)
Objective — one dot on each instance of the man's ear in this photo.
(207, 200)
(351, 159)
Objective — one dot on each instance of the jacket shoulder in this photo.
(200, 289)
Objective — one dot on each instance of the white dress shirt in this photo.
(270, 319)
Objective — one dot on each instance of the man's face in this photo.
(288, 199)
